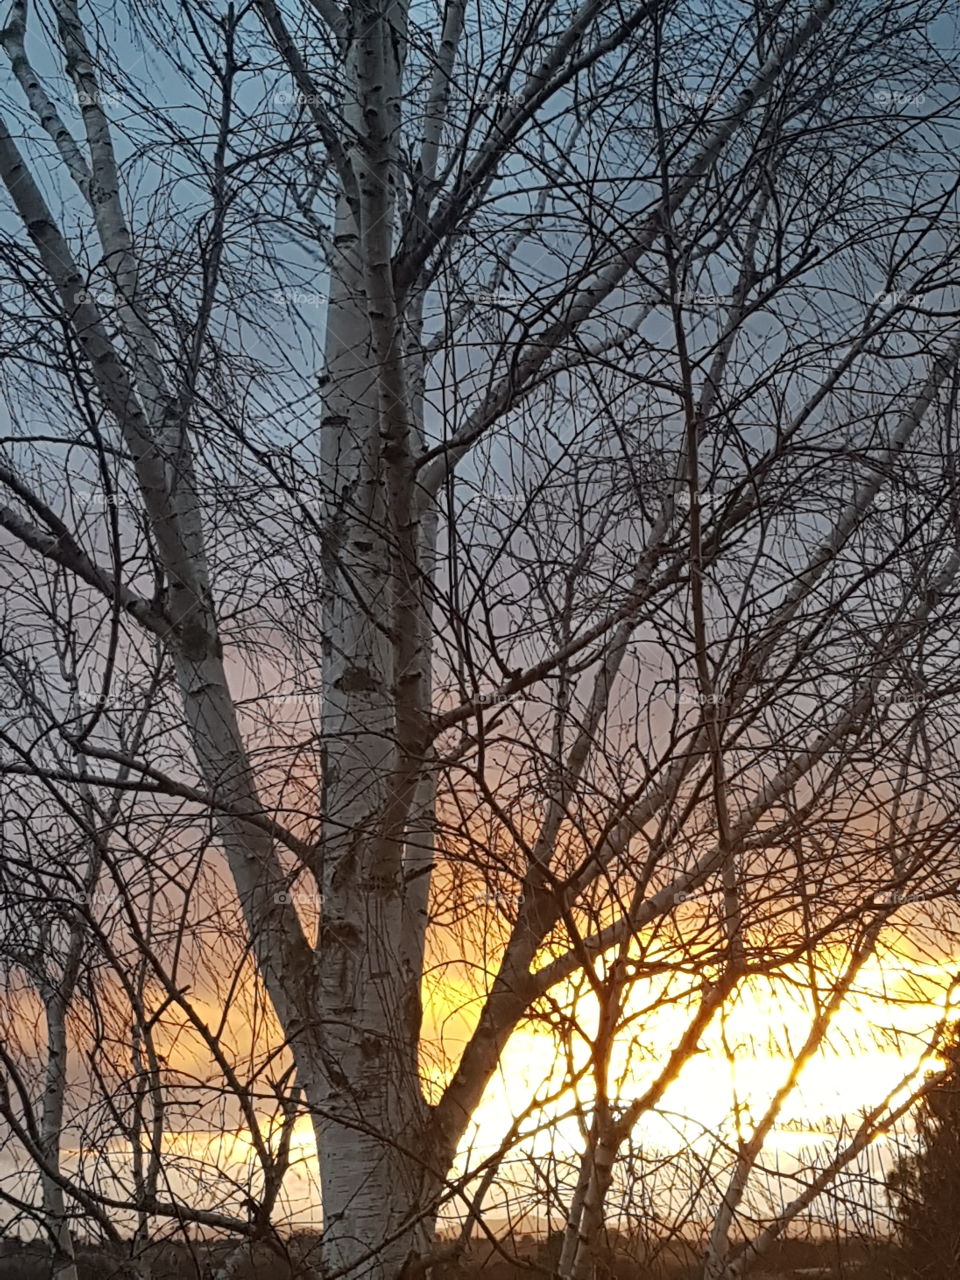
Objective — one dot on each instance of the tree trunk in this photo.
(378, 1175)
(64, 1261)
(379, 1206)
(586, 1218)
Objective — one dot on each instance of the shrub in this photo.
(925, 1188)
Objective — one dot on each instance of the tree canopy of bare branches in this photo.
(479, 505)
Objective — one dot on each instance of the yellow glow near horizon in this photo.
(700, 1100)
(877, 1038)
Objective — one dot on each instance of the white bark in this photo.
(51, 1128)
(371, 1125)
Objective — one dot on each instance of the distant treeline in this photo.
(506, 1259)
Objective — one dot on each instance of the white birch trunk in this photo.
(51, 1123)
(370, 1105)
(593, 1212)
(379, 1175)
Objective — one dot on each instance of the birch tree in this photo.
(491, 550)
